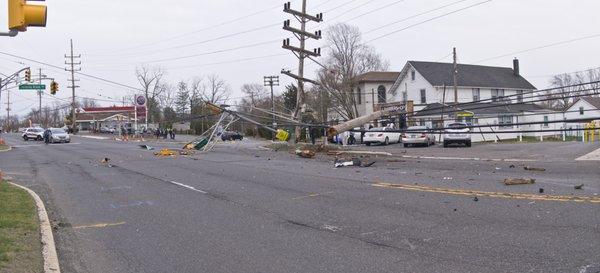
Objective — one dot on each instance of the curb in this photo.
(48, 245)
(7, 150)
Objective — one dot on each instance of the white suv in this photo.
(457, 133)
(33, 133)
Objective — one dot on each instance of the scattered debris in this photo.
(498, 168)
(512, 166)
(531, 203)
(475, 199)
(518, 181)
(541, 190)
(186, 152)
(533, 169)
(146, 147)
(105, 160)
(448, 178)
(165, 152)
(305, 153)
(579, 187)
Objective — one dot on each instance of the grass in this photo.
(20, 247)
(3, 147)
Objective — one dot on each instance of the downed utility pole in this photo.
(357, 122)
(300, 52)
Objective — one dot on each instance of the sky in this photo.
(241, 40)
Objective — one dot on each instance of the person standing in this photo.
(172, 134)
(47, 136)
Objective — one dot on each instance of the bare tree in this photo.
(88, 103)
(254, 92)
(168, 96)
(150, 80)
(217, 91)
(348, 57)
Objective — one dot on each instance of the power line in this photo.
(540, 47)
(428, 20)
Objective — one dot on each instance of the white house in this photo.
(496, 98)
(582, 108)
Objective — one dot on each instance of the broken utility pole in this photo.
(300, 52)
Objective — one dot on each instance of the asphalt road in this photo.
(242, 208)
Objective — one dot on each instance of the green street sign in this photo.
(32, 87)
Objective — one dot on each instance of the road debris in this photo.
(448, 178)
(475, 199)
(533, 169)
(512, 166)
(146, 147)
(541, 190)
(105, 161)
(165, 152)
(354, 162)
(305, 153)
(579, 187)
(518, 181)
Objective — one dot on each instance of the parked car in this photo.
(33, 134)
(231, 136)
(418, 135)
(349, 137)
(457, 133)
(59, 135)
(107, 130)
(382, 135)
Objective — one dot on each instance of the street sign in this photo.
(32, 87)
(140, 100)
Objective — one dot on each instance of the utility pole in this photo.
(7, 110)
(40, 92)
(455, 75)
(71, 61)
(300, 52)
(272, 81)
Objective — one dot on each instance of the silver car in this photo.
(59, 136)
(418, 135)
(457, 133)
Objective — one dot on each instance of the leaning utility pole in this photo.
(455, 75)
(300, 52)
(272, 81)
(71, 61)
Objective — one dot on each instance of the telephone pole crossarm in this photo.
(287, 8)
(291, 75)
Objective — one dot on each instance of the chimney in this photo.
(516, 70)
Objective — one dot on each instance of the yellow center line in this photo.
(312, 195)
(505, 195)
(103, 225)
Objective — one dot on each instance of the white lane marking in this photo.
(95, 137)
(188, 187)
(469, 158)
(593, 156)
(27, 146)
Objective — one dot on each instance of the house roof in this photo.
(379, 76)
(480, 109)
(594, 101)
(439, 74)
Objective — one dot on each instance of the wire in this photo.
(428, 20)
(540, 47)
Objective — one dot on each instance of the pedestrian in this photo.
(313, 135)
(123, 133)
(157, 133)
(47, 136)
(172, 134)
(165, 133)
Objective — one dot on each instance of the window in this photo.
(413, 75)
(545, 121)
(423, 96)
(359, 96)
(476, 94)
(471, 121)
(581, 111)
(381, 94)
(519, 96)
(497, 95)
(505, 121)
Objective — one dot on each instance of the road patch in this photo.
(102, 225)
(503, 195)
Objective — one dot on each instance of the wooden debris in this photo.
(518, 181)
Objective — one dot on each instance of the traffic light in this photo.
(53, 88)
(22, 15)
(28, 75)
